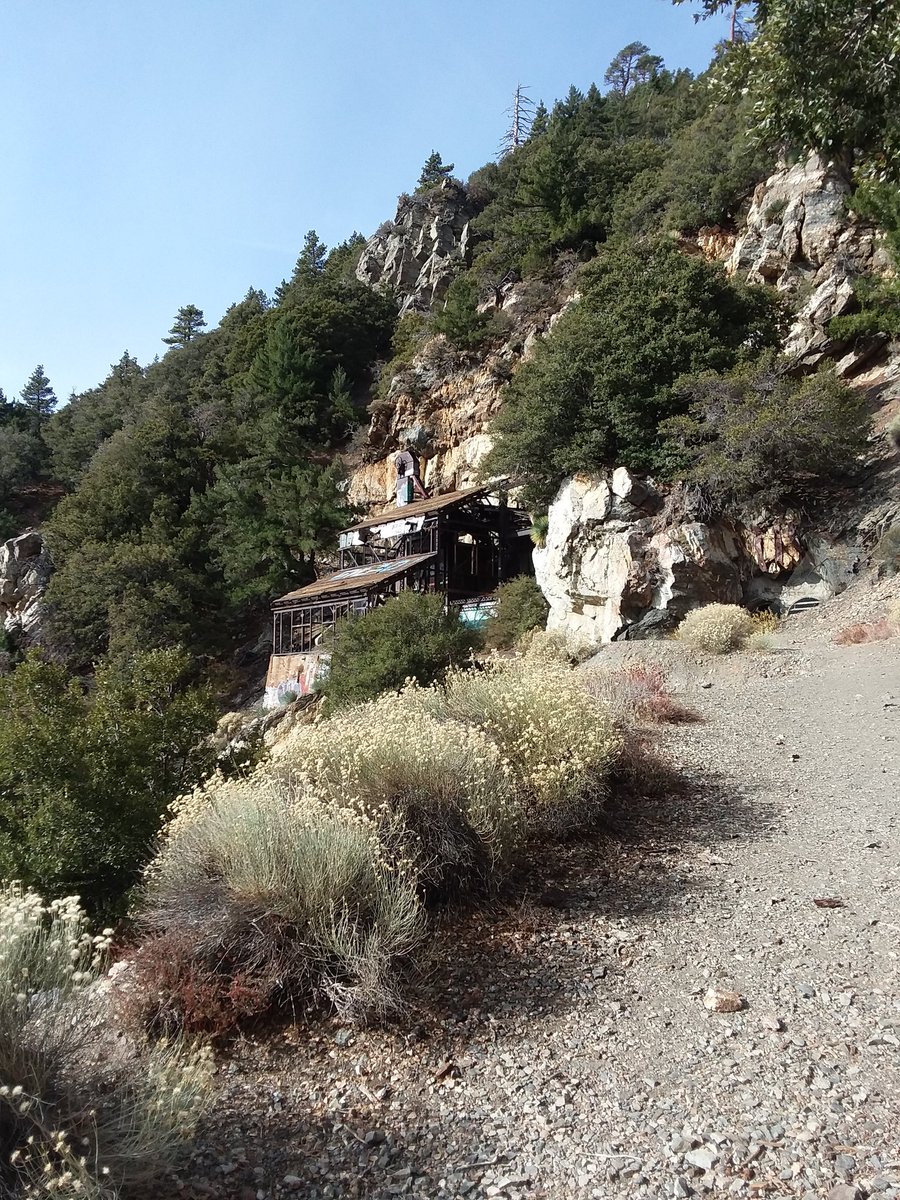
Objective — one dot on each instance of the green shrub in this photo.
(70, 1122)
(459, 320)
(716, 628)
(760, 436)
(409, 637)
(86, 778)
(598, 386)
(893, 431)
(521, 607)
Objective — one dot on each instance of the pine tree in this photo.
(38, 396)
(540, 120)
(308, 268)
(633, 64)
(188, 323)
(434, 172)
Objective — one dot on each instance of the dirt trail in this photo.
(562, 1048)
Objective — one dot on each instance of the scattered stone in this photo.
(704, 1158)
(723, 1000)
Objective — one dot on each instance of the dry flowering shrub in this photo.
(559, 741)
(762, 635)
(556, 646)
(872, 631)
(716, 628)
(894, 613)
(440, 792)
(71, 1125)
(311, 876)
(638, 693)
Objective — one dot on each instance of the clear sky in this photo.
(157, 153)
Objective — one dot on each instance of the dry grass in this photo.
(716, 628)
(72, 1123)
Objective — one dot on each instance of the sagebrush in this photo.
(73, 1120)
(310, 880)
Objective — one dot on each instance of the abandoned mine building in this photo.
(461, 544)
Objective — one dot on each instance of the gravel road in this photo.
(559, 1045)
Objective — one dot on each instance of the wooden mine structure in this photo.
(462, 545)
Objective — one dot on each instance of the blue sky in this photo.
(164, 152)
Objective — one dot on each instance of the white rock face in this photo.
(606, 567)
(614, 566)
(418, 254)
(802, 238)
(25, 569)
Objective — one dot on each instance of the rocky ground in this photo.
(561, 1046)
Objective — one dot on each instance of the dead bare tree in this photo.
(521, 114)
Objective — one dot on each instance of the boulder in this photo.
(611, 568)
(25, 569)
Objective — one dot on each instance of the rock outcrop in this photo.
(443, 404)
(25, 569)
(617, 562)
(441, 407)
(802, 239)
(419, 252)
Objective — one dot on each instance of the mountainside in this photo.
(613, 292)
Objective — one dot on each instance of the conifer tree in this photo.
(434, 172)
(633, 64)
(38, 396)
(188, 323)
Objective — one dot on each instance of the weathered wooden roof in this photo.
(419, 508)
(353, 579)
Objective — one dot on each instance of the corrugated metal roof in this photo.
(418, 508)
(352, 579)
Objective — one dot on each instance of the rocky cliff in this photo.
(443, 404)
(418, 253)
(624, 558)
(802, 238)
(620, 558)
(25, 569)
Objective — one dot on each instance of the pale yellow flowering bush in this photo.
(441, 789)
(559, 741)
(71, 1124)
(716, 628)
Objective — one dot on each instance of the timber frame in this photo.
(462, 545)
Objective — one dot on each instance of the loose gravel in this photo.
(559, 1045)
